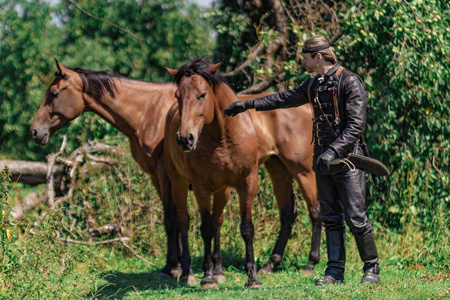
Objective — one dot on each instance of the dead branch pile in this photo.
(59, 174)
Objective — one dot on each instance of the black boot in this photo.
(371, 275)
(334, 272)
(369, 255)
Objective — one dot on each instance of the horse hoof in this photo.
(220, 278)
(163, 276)
(188, 280)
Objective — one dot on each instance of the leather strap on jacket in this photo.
(335, 100)
(308, 90)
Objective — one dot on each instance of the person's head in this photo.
(317, 53)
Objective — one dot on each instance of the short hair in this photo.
(319, 42)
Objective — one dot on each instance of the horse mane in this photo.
(199, 67)
(97, 83)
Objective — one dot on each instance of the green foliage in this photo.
(400, 48)
(160, 33)
(27, 37)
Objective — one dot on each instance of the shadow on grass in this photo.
(120, 284)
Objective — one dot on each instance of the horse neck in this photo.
(223, 124)
(134, 102)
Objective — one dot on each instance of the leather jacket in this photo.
(352, 106)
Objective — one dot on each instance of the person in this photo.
(339, 104)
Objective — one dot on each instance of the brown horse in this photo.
(215, 154)
(212, 152)
(134, 107)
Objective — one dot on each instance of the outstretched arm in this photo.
(286, 99)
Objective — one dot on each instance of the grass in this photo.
(119, 277)
(111, 272)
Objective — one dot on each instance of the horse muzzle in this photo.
(40, 136)
(187, 143)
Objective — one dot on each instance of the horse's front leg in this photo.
(207, 229)
(246, 195)
(220, 199)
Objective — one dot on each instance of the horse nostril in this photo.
(33, 133)
(190, 138)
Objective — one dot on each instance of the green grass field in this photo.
(45, 269)
(123, 281)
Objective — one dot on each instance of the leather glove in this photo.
(236, 108)
(324, 160)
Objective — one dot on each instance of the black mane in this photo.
(199, 67)
(97, 83)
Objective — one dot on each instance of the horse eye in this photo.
(202, 96)
(54, 94)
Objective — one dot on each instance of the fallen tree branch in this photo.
(28, 203)
(29, 172)
(51, 160)
(90, 243)
(121, 240)
(137, 255)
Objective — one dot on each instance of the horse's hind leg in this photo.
(220, 199)
(307, 184)
(282, 186)
(173, 265)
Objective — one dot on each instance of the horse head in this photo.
(62, 103)
(195, 93)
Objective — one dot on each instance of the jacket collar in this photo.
(333, 69)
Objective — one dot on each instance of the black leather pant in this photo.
(343, 195)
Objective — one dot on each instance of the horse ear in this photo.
(213, 69)
(172, 71)
(63, 70)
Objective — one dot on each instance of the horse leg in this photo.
(207, 230)
(220, 199)
(308, 188)
(162, 185)
(247, 194)
(179, 194)
(282, 187)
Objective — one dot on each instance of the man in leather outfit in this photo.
(339, 103)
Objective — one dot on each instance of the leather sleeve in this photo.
(355, 109)
(286, 99)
